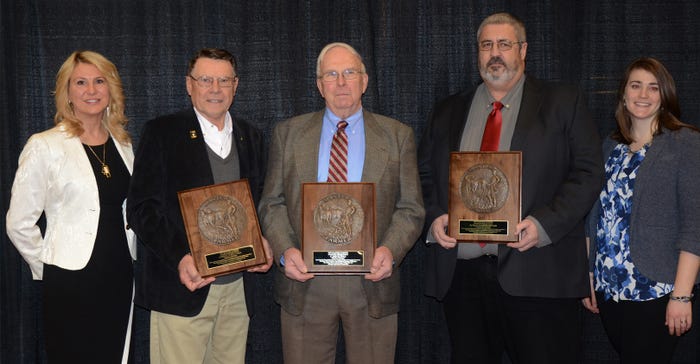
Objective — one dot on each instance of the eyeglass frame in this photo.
(500, 44)
(348, 74)
(204, 84)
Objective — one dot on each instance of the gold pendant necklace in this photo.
(105, 168)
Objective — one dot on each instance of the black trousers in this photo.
(484, 321)
(637, 331)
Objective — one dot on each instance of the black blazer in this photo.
(562, 174)
(169, 160)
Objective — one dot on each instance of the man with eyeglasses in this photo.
(520, 297)
(193, 319)
(379, 150)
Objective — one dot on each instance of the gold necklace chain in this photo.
(105, 168)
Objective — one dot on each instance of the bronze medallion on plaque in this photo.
(338, 227)
(222, 228)
(484, 203)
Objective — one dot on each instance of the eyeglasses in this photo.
(348, 74)
(208, 82)
(503, 45)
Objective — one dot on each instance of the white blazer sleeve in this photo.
(28, 199)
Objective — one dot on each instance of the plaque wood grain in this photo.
(485, 196)
(222, 228)
(332, 212)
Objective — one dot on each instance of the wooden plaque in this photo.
(222, 228)
(484, 204)
(338, 227)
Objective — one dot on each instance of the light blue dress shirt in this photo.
(356, 145)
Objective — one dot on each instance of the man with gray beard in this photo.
(521, 297)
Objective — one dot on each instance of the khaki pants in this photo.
(216, 335)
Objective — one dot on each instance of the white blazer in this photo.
(54, 176)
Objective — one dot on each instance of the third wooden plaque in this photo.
(484, 202)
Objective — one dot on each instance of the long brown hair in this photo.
(114, 119)
(668, 116)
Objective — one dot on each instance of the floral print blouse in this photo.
(615, 273)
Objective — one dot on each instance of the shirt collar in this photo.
(332, 120)
(208, 126)
(508, 99)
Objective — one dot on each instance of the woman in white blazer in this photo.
(77, 175)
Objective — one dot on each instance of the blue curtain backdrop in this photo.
(416, 52)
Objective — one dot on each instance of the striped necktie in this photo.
(338, 164)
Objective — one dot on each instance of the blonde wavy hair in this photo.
(113, 117)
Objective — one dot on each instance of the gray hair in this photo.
(504, 18)
(342, 45)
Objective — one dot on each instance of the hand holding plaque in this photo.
(484, 203)
(338, 232)
(222, 228)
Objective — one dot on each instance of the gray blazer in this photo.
(665, 215)
(390, 163)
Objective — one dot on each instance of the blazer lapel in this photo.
(306, 149)
(187, 141)
(76, 154)
(376, 155)
(528, 114)
(655, 154)
(458, 121)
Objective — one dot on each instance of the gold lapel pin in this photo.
(193, 134)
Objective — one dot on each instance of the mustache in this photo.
(495, 60)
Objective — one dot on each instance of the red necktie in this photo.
(492, 133)
(338, 163)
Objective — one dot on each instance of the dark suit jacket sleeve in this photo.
(148, 200)
(440, 137)
(427, 172)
